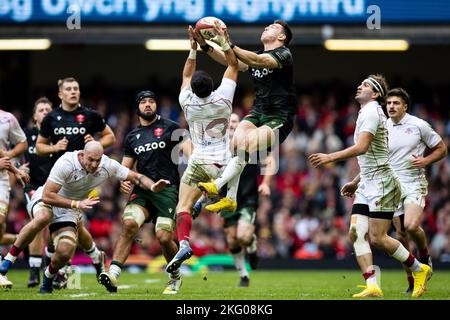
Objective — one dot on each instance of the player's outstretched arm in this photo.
(146, 183)
(361, 147)
(51, 197)
(18, 149)
(216, 55)
(230, 57)
(255, 60)
(190, 64)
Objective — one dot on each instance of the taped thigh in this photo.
(68, 236)
(164, 223)
(134, 212)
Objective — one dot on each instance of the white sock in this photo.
(94, 254)
(10, 257)
(234, 167)
(239, 263)
(35, 262)
(115, 270)
(401, 254)
(233, 186)
(184, 243)
(372, 280)
(416, 267)
(48, 274)
(253, 246)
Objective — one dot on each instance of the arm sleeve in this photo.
(428, 135)
(283, 56)
(16, 134)
(61, 171)
(369, 121)
(115, 169)
(226, 89)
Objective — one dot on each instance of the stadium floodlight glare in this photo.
(168, 45)
(24, 44)
(366, 45)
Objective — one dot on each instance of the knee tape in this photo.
(163, 223)
(359, 227)
(134, 212)
(65, 236)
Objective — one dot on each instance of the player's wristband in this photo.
(75, 204)
(206, 47)
(192, 54)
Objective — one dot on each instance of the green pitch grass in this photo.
(264, 285)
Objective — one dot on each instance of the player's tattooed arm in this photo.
(146, 183)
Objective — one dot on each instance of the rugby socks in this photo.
(252, 247)
(423, 253)
(184, 224)
(50, 272)
(115, 268)
(233, 186)
(239, 261)
(94, 254)
(13, 253)
(234, 168)
(370, 277)
(405, 257)
(35, 261)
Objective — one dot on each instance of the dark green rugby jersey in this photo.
(274, 88)
(151, 146)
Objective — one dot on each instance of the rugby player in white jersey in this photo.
(409, 136)
(377, 190)
(63, 197)
(208, 114)
(10, 134)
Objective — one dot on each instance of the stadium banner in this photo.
(230, 11)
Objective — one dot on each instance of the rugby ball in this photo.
(206, 27)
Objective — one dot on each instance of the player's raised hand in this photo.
(349, 189)
(61, 145)
(159, 185)
(192, 38)
(126, 186)
(88, 138)
(319, 159)
(264, 190)
(197, 36)
(88, 203)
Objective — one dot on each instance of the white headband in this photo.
(376, 85)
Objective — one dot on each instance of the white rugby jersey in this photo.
(10, 134)
(407, 138)
(76, 182)
(209, 122)
(374, 163)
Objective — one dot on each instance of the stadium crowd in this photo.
(305, 216)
